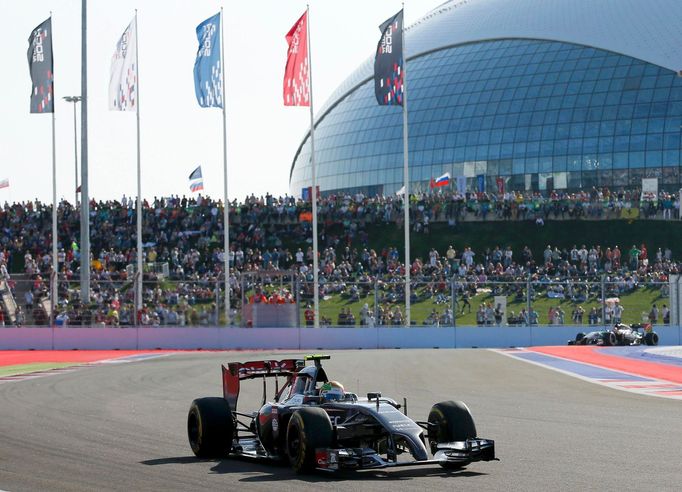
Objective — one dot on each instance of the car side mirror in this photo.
(373, 396)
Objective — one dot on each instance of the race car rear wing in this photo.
(235, 372)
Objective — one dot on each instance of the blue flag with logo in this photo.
(480, 179)
(208, 73)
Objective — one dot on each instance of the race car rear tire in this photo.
(210, 427)
(651, 338)
(452, 421)
(308, 430)
(610, 339)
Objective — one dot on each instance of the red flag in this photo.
(296, 85)
(500, 185)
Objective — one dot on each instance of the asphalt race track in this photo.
(122, 427)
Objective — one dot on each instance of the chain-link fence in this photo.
(372, 302)
(491, 303)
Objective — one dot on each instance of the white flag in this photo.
(123, 77)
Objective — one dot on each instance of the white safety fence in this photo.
(146, 338)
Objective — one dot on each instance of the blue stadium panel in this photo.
(539, 114)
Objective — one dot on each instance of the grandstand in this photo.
(360, 265)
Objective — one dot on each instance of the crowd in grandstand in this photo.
(186, 235)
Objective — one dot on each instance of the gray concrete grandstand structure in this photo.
(535, 94)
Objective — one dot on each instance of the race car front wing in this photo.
(461, 452)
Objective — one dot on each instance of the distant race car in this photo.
(621, 334)
(314, 424)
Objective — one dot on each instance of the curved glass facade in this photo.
(538, 114)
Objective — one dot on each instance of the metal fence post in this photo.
(136, 287)
(242, 297)
(528, 301)
(54, 286)
(603, 300)
(297, 297)
(217, 303)
(677, 300)
(376, 302)
(453, 301)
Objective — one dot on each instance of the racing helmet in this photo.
(332, 391)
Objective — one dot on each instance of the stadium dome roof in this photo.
(649, 30)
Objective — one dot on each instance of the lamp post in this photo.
(74, 100)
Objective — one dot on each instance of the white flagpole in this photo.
(140, 265)
(226, 203)
(85, 193)
(406, 178)
(316, 280)
(55, 261)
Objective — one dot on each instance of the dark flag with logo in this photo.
(40, 66)
(196, 174)
(388, 63)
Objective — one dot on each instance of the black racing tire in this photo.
(579, 337)
(452, 422)
(651, 338)
(308, 430)
(610, 339)
(210, 427)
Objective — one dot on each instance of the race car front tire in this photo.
(450, 421)
(651, 338)
(210, 427)
(610, 339)
(309, 429)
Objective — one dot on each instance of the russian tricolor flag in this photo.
(444, 180)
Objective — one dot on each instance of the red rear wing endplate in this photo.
(237, 371)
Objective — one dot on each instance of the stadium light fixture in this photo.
(74, 100)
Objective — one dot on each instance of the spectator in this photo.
(653, 315)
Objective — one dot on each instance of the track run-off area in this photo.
(116, 420)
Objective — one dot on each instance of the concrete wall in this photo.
(42, 338)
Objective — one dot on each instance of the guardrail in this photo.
(217, 338)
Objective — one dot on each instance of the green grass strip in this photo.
(28, 368)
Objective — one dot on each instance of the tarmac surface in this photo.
(123, 426)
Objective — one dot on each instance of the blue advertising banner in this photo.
(480, 179)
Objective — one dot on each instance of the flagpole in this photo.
(406, 178)
(85, 194)
(226, 203)
(55, 261)
(316, 280)
(140, 265)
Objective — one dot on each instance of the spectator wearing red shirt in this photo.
(309, 316)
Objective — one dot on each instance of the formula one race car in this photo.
(621, 334)
(314, 424)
